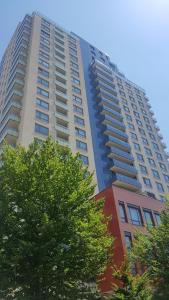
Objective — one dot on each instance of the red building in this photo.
(129, 211)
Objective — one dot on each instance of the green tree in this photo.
(53, 237)
(152, 250)
(129, 286)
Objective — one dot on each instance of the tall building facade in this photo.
(52, 82)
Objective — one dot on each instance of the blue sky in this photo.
(135, 33)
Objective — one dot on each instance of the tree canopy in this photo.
(53, 236)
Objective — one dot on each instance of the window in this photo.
(128, 239)
(43, 72)
(80, 132)
(155, 146)
(139, 157)
(157, 218)
(128, 117)
(72, 51)
(43, 55)
(131, 98)
(79, 121)
(149, 127)
(141, 103)
(131, 126)
(126, 108)
(45, 48)
(43, 63)
(159, 156)
(143, 111)
(151, 162)
(45, 28)
(84, 159)
(74, 80)
(44, 40)
(78, 109)
(43, 82)
(137, 115)
(143, 169)
(73, 65)
(42, 104)
(135, 215)
(141, 131)
(163, 167)
(139, 122)
(81, 145)
(166, 177)
(148, 151)
(42, 92)
(147, 182)
(76, 90)
(159, 187)
(77, 99)
(123, 216)
(145, 141)
(73, 58)
(136, 146)
(75, 73)
(148, 217)
(133, 135)
(155, 174)
(152, 136)
(41, 116)
(41, 129)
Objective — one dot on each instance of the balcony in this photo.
(9, 135)
(154, 120)
(62, 129)
(112, 141)
(61, 115)
(113, 122)
(61, 104)
(14, 95)
(104, 79)
(61, 95)
(12, 107)
(160, 136)
(106, 87)
(126, 182)
(112, 113)
(120, 155)
(105, 93)
(60, 76)
(164, 145)
(157, 127)
(123, 168)
(111, 131)
(110, 104)
(62, 142)
(10, 120)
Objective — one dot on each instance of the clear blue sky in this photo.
(135, 33)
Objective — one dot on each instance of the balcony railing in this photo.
(112, 141)
(126, 182)
(123, 168)
(110, 104)
(115, 123)
(115, 132)
(120, 154)
(112, 113)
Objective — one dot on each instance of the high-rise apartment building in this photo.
(52, 82)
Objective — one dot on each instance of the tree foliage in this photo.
(152, 250)
(53, 237)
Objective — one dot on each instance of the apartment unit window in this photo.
(44, 40)
(45, 28)
(134, 106)
(159, 156)
(160, 187)
(128, 239)
(80, 132)
(143, 111)
(139, 122)
(42, 92)
(145, 141)
(143, 169)
(155, 174)
(151, 162)
(133, 135)
(141, 103)
(130, 92)
(147, 182)
(122, 93)
(141, 131)
(76, 90)
(163, 167)
(131, 126)
(42, 104)
(135, 215)
(84, 159)
(123, 216)
(126, 108)
(77, 99)
(124, 101)
(44, 55)
(45, 48)
(75, 73)
(146, 119)
(43, 72)
(137, 115)
(73, 58)
(43, 82)
(139, 157)
(78, 109)
(152, 136)
(148, 151)
(46, 23)
(166, 177)
(41, 116)
(79, 121)
(148, 217)
(136, 146)
(81, 145)
(43, 63)
(157, 218)
(149, 127)
(131, 98)
(128, 117)
(72, 51)
(41, 129)
(75, 80)
(155, 146)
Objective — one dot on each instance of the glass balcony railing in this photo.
(112, 113)
(110, 104)
(115, 132)
(126, 182)
(123, 168)
(112, 141)
(10, 134)
(115, 123)
(120, 154)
